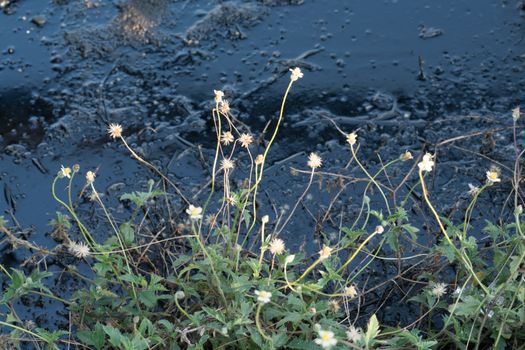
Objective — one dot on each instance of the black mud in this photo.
(406, 74)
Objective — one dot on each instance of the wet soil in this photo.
(407, 75)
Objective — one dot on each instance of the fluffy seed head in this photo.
(379, 229)
(350, 291)
(265, 219)
(224, 107)
(246, 140)
(277, 246)
(353, 334)
(227, 138)
(439, 289)
(227, 164)
(314, 161)
(79, 250)
(115, 130)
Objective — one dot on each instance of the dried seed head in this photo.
(246, 140)
(227, 138)
(218, 96)
(351, 138)
(314, 161)
(115, 130)
(277, 246)
(227, 164)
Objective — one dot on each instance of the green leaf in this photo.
(127, 230)
(372, 331)
(95, 338)
(115, 337)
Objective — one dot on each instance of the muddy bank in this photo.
(406, 75)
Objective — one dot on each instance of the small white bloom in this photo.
(195, 213)
(218, 96)
(296, 74)
(325, 252)
(427, 163)
(351, 138)
(493, 175)
(265, 219)
(263, 296)
(65, 172)
(326, 339)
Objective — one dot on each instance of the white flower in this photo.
(195, 213)
(314, 161)
(325, 252)
(265, 219)
(427, 163)
(277, 246)
(65, 172)
(218, 96)
(439, 289)
(493, 175)
(351, 138)
(263, 296)
(296, 73)
(326, 339)
(79, 250)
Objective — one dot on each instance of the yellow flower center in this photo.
(493, 175)
(326, 337)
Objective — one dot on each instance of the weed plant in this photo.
(217, 274)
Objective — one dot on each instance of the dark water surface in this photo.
(407, 73)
